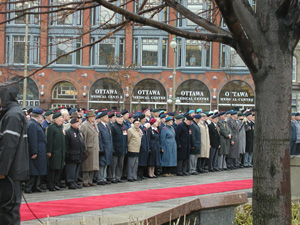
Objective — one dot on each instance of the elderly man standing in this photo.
(205, 143)
(65, 114)
(225, 135)
(90, 132)
(37, 145)
(48, 118)
(106, 149)
(56, 150)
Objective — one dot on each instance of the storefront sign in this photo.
(106, 89)
(149, 90)
(193, 91)
(236, 92)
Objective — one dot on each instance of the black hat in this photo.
(222, 113)
(215, 116)
(178, 117)
(124, 111)
(156, 110)
(37, 111)
(111, 115)
(48, 113)
(118, 115)
(197, 116)
(74, 120)
(137, 119)
(188, 117)
(142, 116)
(171, 113)
(56, 115)
(104, 113)
(250, 113)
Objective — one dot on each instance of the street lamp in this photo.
(173, 45)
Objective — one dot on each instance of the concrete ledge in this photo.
(295, 171)
(203, 208)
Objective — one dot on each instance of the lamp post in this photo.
(173, 45)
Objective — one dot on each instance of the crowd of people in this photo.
(76, 148)
(91, 147)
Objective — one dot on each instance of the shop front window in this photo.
(32, 95)
(193, 94)
(235, 95)
(64, 90)
(106, 93)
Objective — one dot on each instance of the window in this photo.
(65, 17)
(150, 51)
(294, 68)
(15, 49)
(32, 18)
(230, 58)
(155, 14)
(253, 4)
(110, 51)
(64, 90)
(197, 54)
(201, 8)
(59, 46)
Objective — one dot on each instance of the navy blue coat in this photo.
(154, 155)
(168, 144)
(144, 150)
(119, 138)
(45, 124)
(105, 145)
(37, 144)
(196, 139)
(183, 140)
(126, 124)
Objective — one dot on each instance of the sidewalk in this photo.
(126, 214)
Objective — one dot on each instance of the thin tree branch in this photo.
(166, 27)
(196, 19)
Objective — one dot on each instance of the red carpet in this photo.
(77, 205)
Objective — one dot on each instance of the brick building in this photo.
(208, 75)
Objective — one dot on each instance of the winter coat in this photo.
(249, 136)
(196, 139)
(169, 147)
(56, 146)
(154, 146)
(106, 146)
(214, 135)
(119, 139)
(37, 144)
(75, 146)
(205, 142)
(134, 140)
(14, 156)
(183, 140)
(234, 126)
(242, 138)
(91, 138)
(126, 124)
(45, 124)
(144, 151)
(224, 134)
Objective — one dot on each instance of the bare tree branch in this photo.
(166, 27)
(196, 19)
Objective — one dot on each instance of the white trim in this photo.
(10, 132)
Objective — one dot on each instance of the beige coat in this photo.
(205, 143)
(91, 137)
(134, 139)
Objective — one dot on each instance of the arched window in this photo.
(32, 96)
(64, 90)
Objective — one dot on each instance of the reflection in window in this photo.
(21, 5)
(107, 51)
(201, 8)
(153, 14)
(63, 46)
(64, 90)
(150, 52)
(195, 51)
(230, 58)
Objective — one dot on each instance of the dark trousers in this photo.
(72, 172)
(10, 214)
(33, 183)
(53, 178)
(297, 150)
(213, 158)
(182, 166)
(201, 164)
(293, 147)
(117, 167)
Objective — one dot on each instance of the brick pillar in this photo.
(2, 35)
(44, 34)
(86, 38)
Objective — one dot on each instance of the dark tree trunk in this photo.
(271, 169)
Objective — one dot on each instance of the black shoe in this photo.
(78, 186)
(216, 169)
(130, 180)
(38, 189)
(62, 186)
(114, 181)
(195, 173)
(101, 183)
(52, 189)
(72, 186)
(58, 188)
(120, 181)
(28, 192)
(107, 182)
(211, 170)
(180, 174)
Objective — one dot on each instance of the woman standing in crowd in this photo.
(169, 148)
(154, 154)
(134, 143)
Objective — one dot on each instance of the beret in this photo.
(111, 115)
(188, 117)
(168, 118)
(171, 113)
(191, 111)
(118, 115)
(48, 113)
(130, 115)
(72, 110)
(228, 112)
(104, 113)
(240, 114)
(250, 113)
(163, 116)
(198, 110)
(37, 111)
(141, 116)
(56, 115)
(215, 115)
(124, 111)
(233, 112)
(197, 116)
(222, 113)
(178, 117)
(152, 121)
(136, 120)
(156, 110)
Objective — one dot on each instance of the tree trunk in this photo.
(271, 169)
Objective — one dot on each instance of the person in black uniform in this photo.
(14, 156)
(214, 136)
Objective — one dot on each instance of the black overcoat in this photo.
(119, 137)
(196, 139)
(144, 150)
(75, 146)
(105, 145)
(183, 140)
(214, 135)
(37, 144)
(154, 155)
(249, 127)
